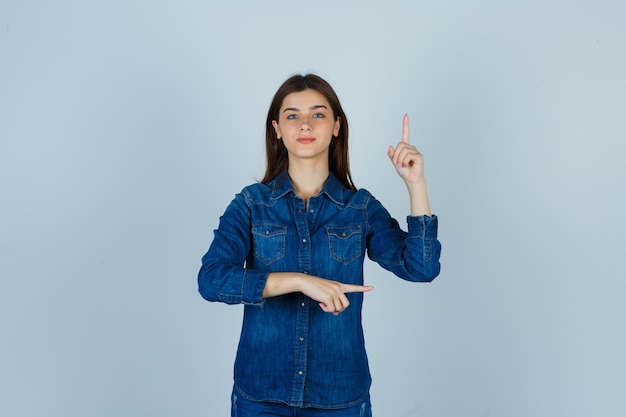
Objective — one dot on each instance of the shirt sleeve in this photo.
(223, 276)
(412, 255)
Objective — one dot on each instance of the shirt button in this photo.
(301, 339)
(304, 240)
(302, 304)
(300, 372)
(311, 211)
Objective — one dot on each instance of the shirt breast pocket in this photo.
(344, 243)
(268, 242)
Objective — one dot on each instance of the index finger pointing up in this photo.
(405, 128)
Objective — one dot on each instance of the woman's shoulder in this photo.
(363, 191)
(256, 187)
(257, 191)
(360, 197)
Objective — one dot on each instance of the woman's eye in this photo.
(318, 115)
(291, 116)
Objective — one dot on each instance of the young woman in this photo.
(291, 249)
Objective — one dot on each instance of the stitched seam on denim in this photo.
(427, 249)
(338, 406)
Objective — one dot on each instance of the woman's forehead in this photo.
(305, 99)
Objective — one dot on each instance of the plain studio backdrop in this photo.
(126, 127)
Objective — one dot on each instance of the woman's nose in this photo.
(305, 125)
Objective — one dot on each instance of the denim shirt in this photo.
(290, 351)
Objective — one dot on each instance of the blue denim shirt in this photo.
(290, 351)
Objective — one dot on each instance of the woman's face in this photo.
(306, 125)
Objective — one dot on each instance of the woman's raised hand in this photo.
(407, 160)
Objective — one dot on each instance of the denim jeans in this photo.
(242, 407)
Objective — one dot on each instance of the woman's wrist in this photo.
(418, 197)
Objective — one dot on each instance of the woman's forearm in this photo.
(418, 197)
(280, 283)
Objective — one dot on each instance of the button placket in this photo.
(303, 304)
(301, 348)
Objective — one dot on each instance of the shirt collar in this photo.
(332, 188)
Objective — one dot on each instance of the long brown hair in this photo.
(275, 151)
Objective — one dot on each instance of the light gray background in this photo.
(127, 126)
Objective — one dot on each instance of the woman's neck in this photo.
(309, 180)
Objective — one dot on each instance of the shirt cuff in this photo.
(253, 286)
(423, 226)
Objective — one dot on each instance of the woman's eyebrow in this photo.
(315, 107)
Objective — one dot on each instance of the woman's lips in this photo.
(306, 140)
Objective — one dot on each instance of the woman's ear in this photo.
(276, 129)
(337, 126)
